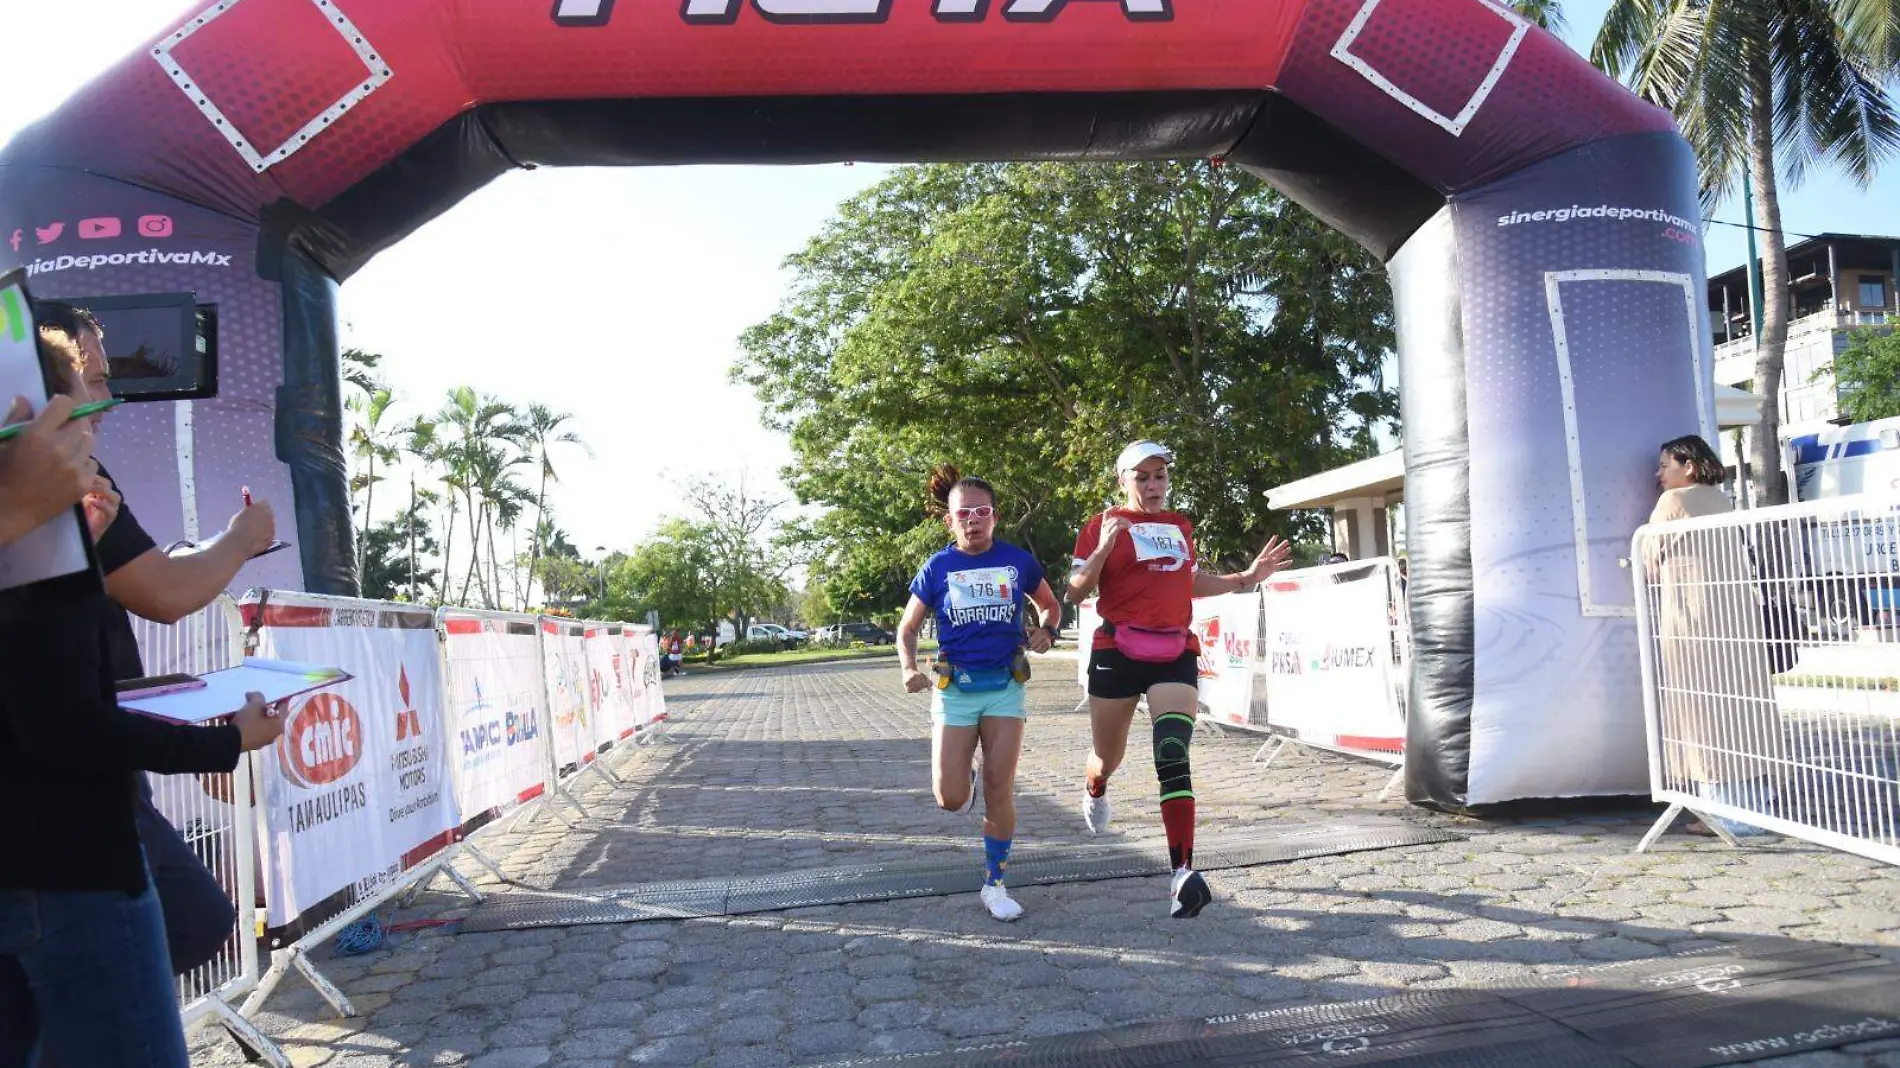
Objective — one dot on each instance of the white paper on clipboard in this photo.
(223, 691)
(58, 548)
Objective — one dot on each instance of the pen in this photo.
(82, 411)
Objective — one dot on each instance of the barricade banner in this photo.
(643, 674)
(497, 711)
(1229, 629)
(607, 683)
(357, 790)
(564, 667)
(1334, 660)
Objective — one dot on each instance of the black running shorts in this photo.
(1114, 674)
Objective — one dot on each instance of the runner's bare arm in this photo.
(907, 629)
(1043, 637)
(1087, 574)
(1274, 557)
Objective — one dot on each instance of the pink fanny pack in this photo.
(1148, 644)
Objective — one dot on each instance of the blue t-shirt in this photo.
(978, 600)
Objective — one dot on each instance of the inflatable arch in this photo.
(1540, 224)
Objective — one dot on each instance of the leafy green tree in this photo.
(393, 555)
(746, 569)
(1754, 83)
(1027, 320)
(672, 573)
(1868, 374)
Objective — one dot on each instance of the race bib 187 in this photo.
(1159, 541)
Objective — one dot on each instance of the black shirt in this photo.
(69, 756)
(123, 542)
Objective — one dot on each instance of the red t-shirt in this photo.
(1148, 579)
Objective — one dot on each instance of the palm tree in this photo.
(420, 444)
(1545, 13)
(540, 430)
(475, 427)
(359, 369)
(1747, 79)
(369, 442)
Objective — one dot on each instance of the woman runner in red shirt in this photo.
(1141, 557)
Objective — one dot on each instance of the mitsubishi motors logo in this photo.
(408, 720)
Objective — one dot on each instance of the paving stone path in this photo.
(775, 770)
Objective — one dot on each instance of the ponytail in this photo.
(946, 479)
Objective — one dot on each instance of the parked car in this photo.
(773, 632)
(868, 633)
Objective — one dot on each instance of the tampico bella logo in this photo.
(408, 720)
(322, 742)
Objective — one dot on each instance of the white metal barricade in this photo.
(1770, 645)
(214, 814)
(385, 700)
(1336, 657)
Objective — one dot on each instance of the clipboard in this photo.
(221, 693)
(55, 564)
(187, 548)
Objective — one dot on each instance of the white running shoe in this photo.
(1095, 812)
(1189, 895)
(1000, 904)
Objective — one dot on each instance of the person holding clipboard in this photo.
(143, 580)
(83, 961)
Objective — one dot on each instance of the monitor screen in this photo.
(159, 346)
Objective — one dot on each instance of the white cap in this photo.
(1134, 455)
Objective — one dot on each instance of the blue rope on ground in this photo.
(363, 936)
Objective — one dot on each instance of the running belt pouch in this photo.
(1019, 668)
(1149, 645)
(981, 681)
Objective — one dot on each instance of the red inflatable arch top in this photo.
(1538, 221)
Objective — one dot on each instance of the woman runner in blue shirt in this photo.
(975, 587)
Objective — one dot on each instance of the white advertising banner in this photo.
(643, 674)
(1334, 659)
(497, 711)
(1229, 629)
(564, 666)
(357, 790)
(607, 683)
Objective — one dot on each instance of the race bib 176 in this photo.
(981, 595)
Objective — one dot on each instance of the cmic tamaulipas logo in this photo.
(489, 733)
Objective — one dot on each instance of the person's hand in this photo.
(916, 681)
(1273, 557)
(254, 526)
(47, 469)
(257, 723)
(1112, 527)
(1039, 640)
(102, 507)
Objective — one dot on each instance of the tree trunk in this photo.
(473, 576)
(1773, 343)
(369, 499)
(413, 595)
(448, 541)
(540, 517)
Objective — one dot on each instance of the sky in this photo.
(635, 284)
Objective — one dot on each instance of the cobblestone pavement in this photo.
(769, 771)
